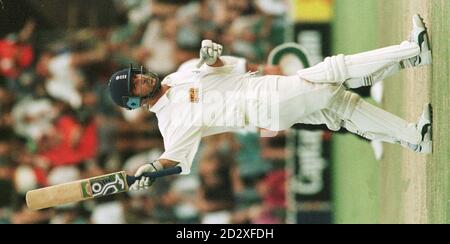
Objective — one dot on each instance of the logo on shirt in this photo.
(193, 95)
(121, 77)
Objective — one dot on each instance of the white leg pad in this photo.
(363, 64)
(377, 124)
(339, 68)
(331, 70)
(324, 116)
(343, 103)
(373, 78)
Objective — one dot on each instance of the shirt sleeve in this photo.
(232, 65)
(181, 142)
(239, 64)
(188, 65)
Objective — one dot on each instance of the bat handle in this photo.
(156, 174)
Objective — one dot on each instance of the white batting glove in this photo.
(209, 52)
(145, 182)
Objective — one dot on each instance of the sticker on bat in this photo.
(103, 186)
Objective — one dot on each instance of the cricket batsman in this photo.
(218, 96)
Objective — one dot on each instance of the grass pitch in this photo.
(403, 187)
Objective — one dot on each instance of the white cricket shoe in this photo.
(419, 35)
(425, 128)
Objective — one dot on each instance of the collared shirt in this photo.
(200, 102)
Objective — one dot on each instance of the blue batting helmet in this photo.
(120, 87)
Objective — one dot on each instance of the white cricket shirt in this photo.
(213, 100)
(200, 102)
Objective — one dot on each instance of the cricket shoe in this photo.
(424, 126)
(419, 35)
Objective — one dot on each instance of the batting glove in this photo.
(209, 52)
(145, 182)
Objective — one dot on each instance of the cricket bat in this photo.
(81, 190)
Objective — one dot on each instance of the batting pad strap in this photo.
(336, 68)
(344, 103)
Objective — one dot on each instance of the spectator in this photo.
(57, 123)
(69, 141)
(16, 53)
(254, 35)
(219, 178)
(64, 79)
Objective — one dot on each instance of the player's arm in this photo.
(180, 144)
(264, 69)
(167, 163)
(210, 53)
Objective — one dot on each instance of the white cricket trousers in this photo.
(317, 96)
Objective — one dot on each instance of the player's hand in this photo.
(209, 52)
(144, 182)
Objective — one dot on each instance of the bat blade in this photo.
(77, 191)
(95, 187)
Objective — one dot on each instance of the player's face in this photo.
(141, 85)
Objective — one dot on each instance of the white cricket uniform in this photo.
(213, 100)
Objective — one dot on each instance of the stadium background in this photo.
(49, 136)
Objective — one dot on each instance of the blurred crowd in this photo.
(58, 123)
